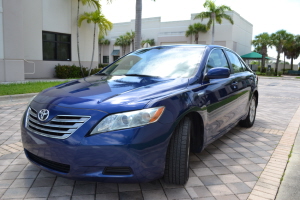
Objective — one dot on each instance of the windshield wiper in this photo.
(144, 75)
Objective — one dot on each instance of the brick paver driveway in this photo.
(228, 169)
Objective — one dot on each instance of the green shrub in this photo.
(279, 73)
(263, 70)
(67, 71)
(95, 70)
(102, 65)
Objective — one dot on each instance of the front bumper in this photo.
(141, 149)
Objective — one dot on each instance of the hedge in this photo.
(72, 71)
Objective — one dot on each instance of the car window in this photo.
(235, 62)
(245, 66)
(166, 61)
(216, 59)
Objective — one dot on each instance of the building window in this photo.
(105, 59)
(56, 46)
(116, 58)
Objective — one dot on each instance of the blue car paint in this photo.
(141, 148)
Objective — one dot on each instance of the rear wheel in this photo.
(177, 159)
(249, 121)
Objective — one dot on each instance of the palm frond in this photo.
(94, 3)
(203, 15)
(225, 16)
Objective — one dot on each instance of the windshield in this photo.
(165, 61)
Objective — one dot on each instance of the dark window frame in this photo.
(238, 58)
(225, 56)
(56, 42)
(115, 58)
(107, 57)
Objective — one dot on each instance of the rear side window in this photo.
(235, 62)
(216, 59)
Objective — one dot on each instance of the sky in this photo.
(265, 15)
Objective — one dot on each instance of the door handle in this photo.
(234, 85)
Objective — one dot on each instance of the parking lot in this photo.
(230, 168)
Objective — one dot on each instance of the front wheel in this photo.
(249, 121)
(177, 159)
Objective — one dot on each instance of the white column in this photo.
(1, 32)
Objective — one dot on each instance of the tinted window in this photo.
(235, 62)
(161, 61)
(245, 66)
(56, 46)
(216, 59)
(105, 59)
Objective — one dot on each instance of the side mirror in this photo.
(218, 72)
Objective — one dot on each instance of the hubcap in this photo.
(252, 110)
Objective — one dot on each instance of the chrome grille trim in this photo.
(60, 127)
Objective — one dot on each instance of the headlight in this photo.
(128, 120)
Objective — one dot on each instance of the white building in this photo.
(36, 35)
(236, 37)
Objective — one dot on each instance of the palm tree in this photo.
(102, 42)
(286, 48)
(215, 14)
(97, 5)
(123, 41)
(131, 36)
(292, 47)
(138, 23)
(99, 19)
(262, 42)
(278, 40)
(151, 42)
(195, 29)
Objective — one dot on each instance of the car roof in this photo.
(189, 45)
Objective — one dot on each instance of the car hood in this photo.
(108, 93)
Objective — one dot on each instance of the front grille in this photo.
(60, 127)
(48, 163)
(117, 171)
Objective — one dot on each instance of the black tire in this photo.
(177, 159)
(249, 121)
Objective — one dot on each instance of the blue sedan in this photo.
(139, 118)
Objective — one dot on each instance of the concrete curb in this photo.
(281, 78)
(17, 97)
(269, 181)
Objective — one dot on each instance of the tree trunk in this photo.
(99, 52)
(138, 24)
(263, 63)
(78, 52)
(283, 62)
(213, 16)
(277, 62)
(124, 50)
(93, 49)
(263, 51)
(132, 44)
(196, 38)
(292, 63)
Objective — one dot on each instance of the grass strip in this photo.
(24, 88)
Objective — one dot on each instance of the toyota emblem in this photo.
(43, 114)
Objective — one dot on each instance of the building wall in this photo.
(237, 36)
(12, 64)
(2, 71)
(21, 47)
(1, 32)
